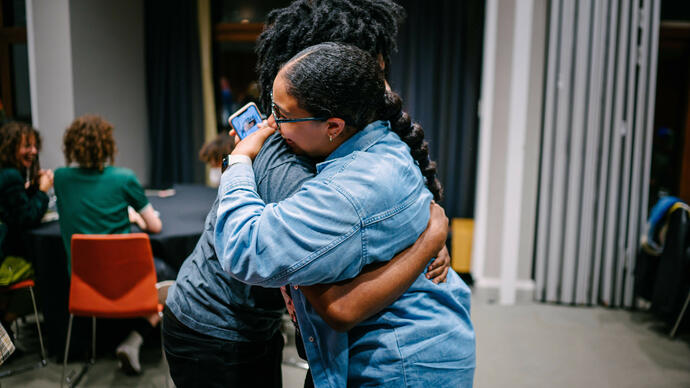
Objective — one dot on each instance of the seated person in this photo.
(212, 154)
(93, 198)
(23, 201)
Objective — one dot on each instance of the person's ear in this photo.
(334, 127)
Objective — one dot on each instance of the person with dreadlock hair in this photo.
(287, 33)
(219, 331)
(368, 200)
(371, 25)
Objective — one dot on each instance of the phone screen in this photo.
(245, 121)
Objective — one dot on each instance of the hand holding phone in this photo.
(246, 120)
(251, 145)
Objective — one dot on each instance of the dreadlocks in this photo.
(371, 25)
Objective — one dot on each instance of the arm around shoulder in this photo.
(345, 304)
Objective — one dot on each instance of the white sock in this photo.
(128, 352)
(133, 339)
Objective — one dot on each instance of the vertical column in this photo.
(209, 103)
(486, 110)
(517, 129)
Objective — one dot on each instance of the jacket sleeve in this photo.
(19, 207)
(314, 236)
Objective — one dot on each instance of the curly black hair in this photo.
(371, 25)
(339, 80)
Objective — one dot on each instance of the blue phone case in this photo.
(246, 120)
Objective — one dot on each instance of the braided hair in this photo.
(338, 80)
(371, 25)
(413, 135)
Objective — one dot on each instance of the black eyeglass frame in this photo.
(278, 121)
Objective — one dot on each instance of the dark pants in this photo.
(199, 360)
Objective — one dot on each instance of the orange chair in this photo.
(27, 285)
(113, 276)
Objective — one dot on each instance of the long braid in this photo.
(413, 135)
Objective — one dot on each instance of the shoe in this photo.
(128, 360)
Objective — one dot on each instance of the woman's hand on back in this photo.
(438, 270)
(438, 223)
(251, 145)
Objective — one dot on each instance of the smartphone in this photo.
(246, 120)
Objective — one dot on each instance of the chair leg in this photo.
(165, 361)
(680, 316)
(73, 382)
(93, 341)
(64, 362)
(38, 326)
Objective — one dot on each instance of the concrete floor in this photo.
(527, 345)
(541, 345)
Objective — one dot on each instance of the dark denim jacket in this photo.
(205, 298)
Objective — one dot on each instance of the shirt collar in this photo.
(360, 141)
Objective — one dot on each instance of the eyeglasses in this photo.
(275, 110)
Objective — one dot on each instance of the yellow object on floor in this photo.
(461, 244)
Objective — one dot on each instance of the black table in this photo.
(183, 216)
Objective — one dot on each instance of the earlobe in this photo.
(335, 127)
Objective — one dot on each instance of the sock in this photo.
(128, 353)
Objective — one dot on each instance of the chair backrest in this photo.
(113, 276)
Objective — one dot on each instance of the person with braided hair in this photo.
(368, 200)
(220, 332)
(371, 25)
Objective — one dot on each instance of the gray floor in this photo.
(528, 345)
(540, 345)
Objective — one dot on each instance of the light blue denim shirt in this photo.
(367, 202)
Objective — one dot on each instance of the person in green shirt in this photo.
(94, 197)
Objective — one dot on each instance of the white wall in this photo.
(88, 57)
(50, 74)
(109, 73)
